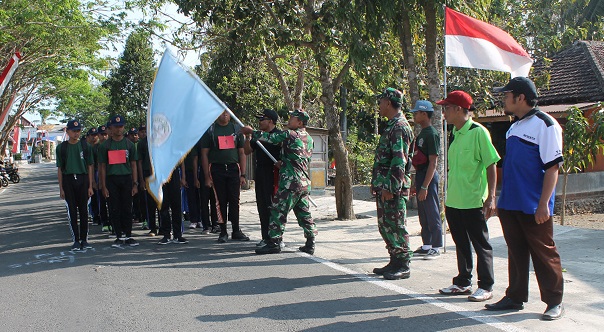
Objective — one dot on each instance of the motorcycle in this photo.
(3, 178)
(13, 173)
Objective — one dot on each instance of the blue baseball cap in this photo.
(422, 105)
(117, 120)
(74, 125)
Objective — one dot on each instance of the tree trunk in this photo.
(343, 182)
(563, 215)
(405, 36)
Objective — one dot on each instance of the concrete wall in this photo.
(581, 183)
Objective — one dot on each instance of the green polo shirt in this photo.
(77, 162)
(470, 153)
(111, 145)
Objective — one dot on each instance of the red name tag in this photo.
(226, 142)
(117, 157)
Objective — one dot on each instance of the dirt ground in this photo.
(586, 220)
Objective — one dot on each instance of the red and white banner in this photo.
(27, 142)
(8, 72)
(471, 43)
(17, 140)
(4, 114)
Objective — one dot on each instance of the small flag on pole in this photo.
(181, 109)
(471, 43)
(8, 72)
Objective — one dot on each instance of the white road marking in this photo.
(488, 320)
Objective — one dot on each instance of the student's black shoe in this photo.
(505, 304)
(400, 270)
(223, 237)
(239, 236)
(117, 243)
(75, 246)
(215, 229)
(164, 240)
(131, 242)
(269, 248)
(309, 247)
(180, 240)
(85, 245)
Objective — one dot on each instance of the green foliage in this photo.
(583, 139)
(360, 156)
(17, 156)
(129, 85)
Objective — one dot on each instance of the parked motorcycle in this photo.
(13, 173)
(3, 178)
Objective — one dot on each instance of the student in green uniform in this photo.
(74, 164)
(118, 178)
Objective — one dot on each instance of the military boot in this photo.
(271, 247)
(381, 270)
(399, 270)
(309, 247)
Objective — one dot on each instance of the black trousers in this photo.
(193, 197)
(528, 240)
(75, 187)
(264, 187)
(150, 206)
(226, 186)
(98, 203)
(207, 203)
(468, 226)
(170, 214)
(120, 203)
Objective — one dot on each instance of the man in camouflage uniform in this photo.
(391, 182)
(294, 182)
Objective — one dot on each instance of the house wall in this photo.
(581, 183)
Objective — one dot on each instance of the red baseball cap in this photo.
(459, 98)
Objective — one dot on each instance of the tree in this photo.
(56, 39)
(583, 139)
(129, 84)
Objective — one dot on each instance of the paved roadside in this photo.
(357, 245)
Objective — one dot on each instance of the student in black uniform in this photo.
(117, 164)
(101, 200)
(74, 164)
(265, 170)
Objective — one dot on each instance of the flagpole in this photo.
(444, 131)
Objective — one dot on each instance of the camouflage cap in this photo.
(392, 94)
(300, 114)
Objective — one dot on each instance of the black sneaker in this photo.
(85, 245)
(164, 240)
(421, 252)
(131, 242)
(269, 248)
(215, 229)
(117, 243)
(223, 237)
(75, 246)
(180, 240)
(239, 236)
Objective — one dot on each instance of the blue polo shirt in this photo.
(533, 145)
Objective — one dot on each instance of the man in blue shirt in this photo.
(526, 202)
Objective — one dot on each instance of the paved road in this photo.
(208, 286)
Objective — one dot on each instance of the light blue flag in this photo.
(181, 109)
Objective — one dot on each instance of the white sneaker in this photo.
(193, 225)
(456, 290)
(480, 295)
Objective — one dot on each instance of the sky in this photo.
(190, 58)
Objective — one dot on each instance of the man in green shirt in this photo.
(74, 171)
(223, 161)
(470, 199)
(118, 178)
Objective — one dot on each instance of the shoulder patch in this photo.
(545, 118)
(473, 126)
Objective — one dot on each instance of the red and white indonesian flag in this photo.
(8, 72)
(471, 43)
(17, 140)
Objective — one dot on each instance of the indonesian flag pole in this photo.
(471, 43)
(8, 72)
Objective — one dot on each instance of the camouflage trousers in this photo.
(283, 202)
(392, 224)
